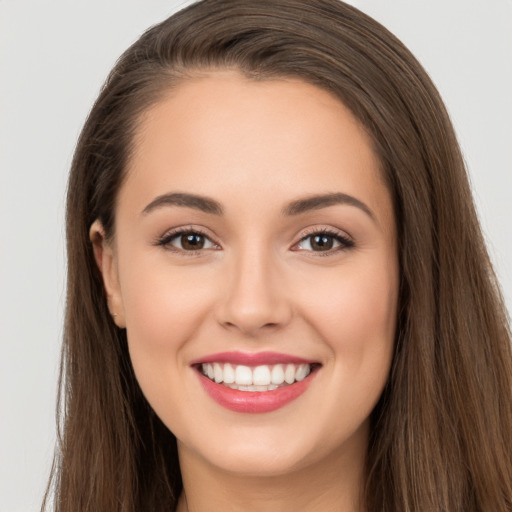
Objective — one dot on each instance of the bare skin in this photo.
(269, 269)
(329, 487)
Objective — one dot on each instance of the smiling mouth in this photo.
(258, 378)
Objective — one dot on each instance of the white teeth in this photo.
(218, 374)
(302, 372)
(289, 374)
(277, 374)
(243, 375)
(271, 387)
(229, 374)
(260, 378)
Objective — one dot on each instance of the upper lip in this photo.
(252, 358)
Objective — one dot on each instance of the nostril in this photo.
(252, 298)
(249, 328)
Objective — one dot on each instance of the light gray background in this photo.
(54, 56)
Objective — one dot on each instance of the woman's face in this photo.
(255, 241)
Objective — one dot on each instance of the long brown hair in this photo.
(441, 437)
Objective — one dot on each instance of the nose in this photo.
(255, 297)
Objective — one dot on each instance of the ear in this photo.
(106, 259)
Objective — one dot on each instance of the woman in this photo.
(278, 292)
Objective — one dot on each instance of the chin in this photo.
(260, 452)
(258, 461)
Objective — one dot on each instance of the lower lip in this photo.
(254, 401)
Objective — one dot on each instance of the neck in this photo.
(333, 484)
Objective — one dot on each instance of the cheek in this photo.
(355, 314)
(356, 318)
(365, 311)
(164, 308)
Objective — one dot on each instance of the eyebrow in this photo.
(298, 207)
(204, 204)
(323, 201)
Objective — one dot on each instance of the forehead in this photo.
(222, 133)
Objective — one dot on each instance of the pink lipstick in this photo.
(254, 382)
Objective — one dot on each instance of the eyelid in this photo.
(165, 240)
(346, 242)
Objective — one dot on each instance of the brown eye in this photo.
(322, 242)
(187, 241)
(192, 241)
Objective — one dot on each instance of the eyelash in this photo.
(165, 241)
(344, 241)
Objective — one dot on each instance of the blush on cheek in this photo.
(357, 313)
(163, 310)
